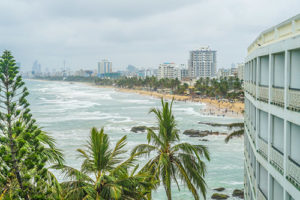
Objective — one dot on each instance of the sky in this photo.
(143, 33)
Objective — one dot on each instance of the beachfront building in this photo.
(167, 70)
(104, 67)
(202, 63)
(240, 71)
(272, 114)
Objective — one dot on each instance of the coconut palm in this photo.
(104, 173)
(173, 161)
(238, 133)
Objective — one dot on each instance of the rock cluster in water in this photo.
(236, 193)
(197, 133)
(136, 129)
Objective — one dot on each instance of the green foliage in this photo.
(173, 161)
(25, 150)
(113, 176)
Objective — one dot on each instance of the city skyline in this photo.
(81, 34)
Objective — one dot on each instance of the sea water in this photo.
(68, 111)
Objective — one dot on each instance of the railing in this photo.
(293, 173)
(294, 99)
(246, 86)
(252, 133)
(260, 195)
(276, 159)
(263, 148)
(263, 93)
(252, 89)
(278, 96)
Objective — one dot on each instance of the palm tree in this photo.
(238, 133)
(173, 160)
(104, 173)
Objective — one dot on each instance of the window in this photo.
(277, 133)
(278, 73)
(263, 125)
(295, 142)
(263, 180)
(295, 69)
(264, 70)
(277, 190)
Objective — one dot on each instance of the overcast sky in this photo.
(139, 32)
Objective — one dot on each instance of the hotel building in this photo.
(272, 114)
(104, 67)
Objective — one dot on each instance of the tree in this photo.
(111, 175)
(238, 133)
(24, 148)
(173, 160)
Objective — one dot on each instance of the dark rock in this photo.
(220, 189)
(219, 196)
(204, 140)
(136, 129)
(197, 133)
(238, 193)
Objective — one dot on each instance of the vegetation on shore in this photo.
(28, 155)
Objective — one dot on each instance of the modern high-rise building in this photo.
(167, 70)
(240, 70)
(104, 67)
(36, 68)
(272, 114)
(202, 63)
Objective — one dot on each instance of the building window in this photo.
(278, 72)
(295, 69)
(295, 143)
(264, 71)
(263, 125)
(277, 190)
(277, 133)
(263, 180)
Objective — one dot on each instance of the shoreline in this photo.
(212, 107)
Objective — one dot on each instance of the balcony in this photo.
(294, 99)
(247, 86)
(263, 148)
(277, 96)
(263, 93)
(293, 173)
(252, 133)
(276, 159)
(252, 89)
(260, 195)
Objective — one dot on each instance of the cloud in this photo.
(140, 32)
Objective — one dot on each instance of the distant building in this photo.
(36, 68)
(104, 67)
(202, 63)
(167, 70)
(240, 70)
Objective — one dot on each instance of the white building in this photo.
(272, 114)
(167, 70)
(240, 71)
(104, 67)
(202, 63)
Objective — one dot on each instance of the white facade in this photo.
(168, 70)
(240, 70)
(272, 114)
(104, 67)
(202, 63)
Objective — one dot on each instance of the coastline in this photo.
(213, 107)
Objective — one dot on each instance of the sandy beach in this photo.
(213, 107)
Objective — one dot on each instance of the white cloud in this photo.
(138, 32)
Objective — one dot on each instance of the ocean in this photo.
(68, 111)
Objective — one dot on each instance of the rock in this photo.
(238, 193)
(220, 189)
(138, 129)
(142, 128)
(219, 196)
(204, 140)
(197, 133)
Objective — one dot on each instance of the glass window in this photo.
(263, 125)
(263, 180)
(264, 70)
(278, 131)
(295, 69)
(278, 73)
(277, 190)
(295, 142)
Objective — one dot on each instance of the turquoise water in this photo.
(68, 111)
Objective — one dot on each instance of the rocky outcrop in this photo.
(219, 196)
(238, 193)
(136, 129)
(197, 133)
(204, 140)
(220, 189)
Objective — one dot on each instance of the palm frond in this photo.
(238, 133)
